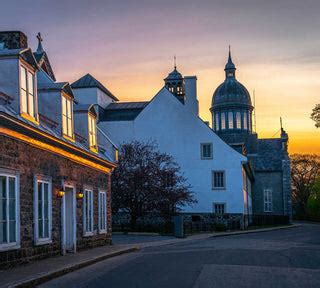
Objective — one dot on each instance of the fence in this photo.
(268, 220)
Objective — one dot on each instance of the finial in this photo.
(175, 62)
(229, 59)
(281, 123)
(40, 48)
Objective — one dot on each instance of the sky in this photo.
(129, 46)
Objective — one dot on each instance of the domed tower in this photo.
(231, 109)
(175, 84)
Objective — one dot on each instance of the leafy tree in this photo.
(305, 168)
(147, 180)
(315, 115)
(313, 204)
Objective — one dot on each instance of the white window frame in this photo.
(88, 213)
(102, 199)
(16, 244)
(201, 151)
(42, 180)
(25, 109)
(92, 131)
(65, 117)
(219, 204)
(213, 180)
(267, 200)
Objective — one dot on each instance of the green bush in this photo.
(220, 227)
(313, 204)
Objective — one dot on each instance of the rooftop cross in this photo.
(40, 48)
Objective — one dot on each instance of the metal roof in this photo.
(127, 105)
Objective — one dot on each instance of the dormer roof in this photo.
(24, 53)
(88, 81)
(58, 86)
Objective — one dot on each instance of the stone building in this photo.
(232, 120)
(55, 165)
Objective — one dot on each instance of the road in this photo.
(282, 258)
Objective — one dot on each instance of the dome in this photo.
(231, 93)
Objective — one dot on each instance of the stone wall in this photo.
(29, 161)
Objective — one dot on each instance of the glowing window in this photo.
(67, 125)
(238, 118)
(245, 121)
(27, 92)
(92, 132)
(217, 122)
(223, 121)
(230, 120)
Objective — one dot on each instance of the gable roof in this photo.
(88, 81)
(123, 111)
(43, 61)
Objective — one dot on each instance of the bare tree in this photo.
(315, 115)
(305, 168)
(147, 180)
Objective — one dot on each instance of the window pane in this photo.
(12, 231)
(64, 125)
(217, 122)
(245, 121)
(230, 120)
(69, 127)
(3, 209)
(12, 192)
(40, 228)
(64, 108)
(223, 121)
(69, 108)
(23, 78)
(23, 101)
(3, 232)
(30, 83)
(3, 192)
(12, 209)
(31, 105)
(46, 229)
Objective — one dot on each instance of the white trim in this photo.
(43, 180)
(85, 228)
(16, 244)
(105, 230)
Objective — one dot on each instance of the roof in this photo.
(123, 111)
(43, 61)
(174, 75)
(269, 155)
(88, 81)
(60, 86)
(25, 53)
(85, 108)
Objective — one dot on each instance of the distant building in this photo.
(55, 164)
(219, 175)
(232, 120)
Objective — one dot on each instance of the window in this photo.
(42, 211)
(206, 151)
(88, 212)
(92, 133)
(223, 121)
(9, 212)
(218, 181)
(230, 120)
(67, 125)
(267, 194)
(245, 121)
(249, 122)
(27, 92)
(238, 118)
(217, 122)
(102, 212)
(219, 208)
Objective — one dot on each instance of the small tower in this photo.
(174, 82)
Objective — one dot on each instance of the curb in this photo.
(57, 273)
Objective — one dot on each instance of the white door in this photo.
(69, 220)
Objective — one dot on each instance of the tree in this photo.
(315, 115)
(313, 204)
(147, 180)
(305, 168)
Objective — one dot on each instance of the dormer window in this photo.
(92, 133)
(27, 93)
(67, 117)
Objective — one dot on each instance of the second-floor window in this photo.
(27, 92)
(67, 125)
(92, 132)
(218, 180)
(206, 150)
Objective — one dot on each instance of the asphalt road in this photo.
(283, 258)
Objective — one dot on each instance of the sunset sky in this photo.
(129, 46)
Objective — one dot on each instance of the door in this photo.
(69, 220)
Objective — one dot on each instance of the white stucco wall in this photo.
(179, 132)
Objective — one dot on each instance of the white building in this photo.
(216, 172)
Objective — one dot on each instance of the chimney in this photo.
(190, 83)
(13, 40)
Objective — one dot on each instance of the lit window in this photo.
(92, 132)
(223, 121)
(267, 194)
(217, 122)
(42, 211)
(102, 212)
(238, 118)
(88, 212)
(249, 122)
(67, 125)
(219, 208)
(27, 92)
(245, 121)
(230, 120)
(206, 150)
(218, 181)
(9, 212)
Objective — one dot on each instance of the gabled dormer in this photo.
(18, 77)
(88, 90)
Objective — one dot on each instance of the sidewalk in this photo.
(37, 272)
(41, 271)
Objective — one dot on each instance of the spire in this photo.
(40, 48)
(175, 62)
(230, 68)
